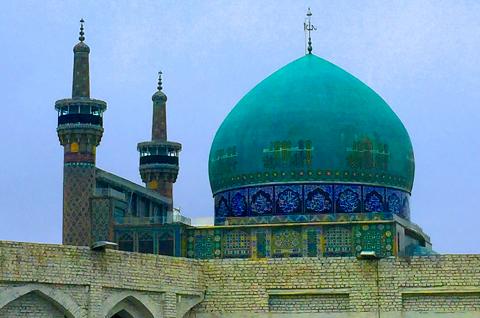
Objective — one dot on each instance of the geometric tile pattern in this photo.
(287, 242)
(206, 244)
(307, 218)
(236, 244)
(78, 187)
(101, 220)
(299, 202)
(378, 238)
(338, 240)
(290, 241)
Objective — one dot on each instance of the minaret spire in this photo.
(308, 27)
(159, 87)
(81, 72)
(159, 118)
(81, 37)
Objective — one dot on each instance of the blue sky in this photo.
(422, 57)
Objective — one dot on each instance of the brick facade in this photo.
(78, 282)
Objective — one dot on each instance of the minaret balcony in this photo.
(80, 111)
(159, 159)
(80, 119)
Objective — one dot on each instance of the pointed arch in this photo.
(132, 303)
(58, 298)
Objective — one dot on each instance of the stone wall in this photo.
(84, 283)
(40, 280)
(434, 286)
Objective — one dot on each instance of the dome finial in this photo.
(308, 27)
(81, 37)
(160, 81)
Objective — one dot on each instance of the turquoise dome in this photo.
(308, 122)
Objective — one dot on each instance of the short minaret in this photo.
(80, 129)
(159, 157)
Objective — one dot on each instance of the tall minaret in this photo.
(80, 129)
(159, 157)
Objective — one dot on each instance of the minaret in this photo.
(159, 157)
(80, 129)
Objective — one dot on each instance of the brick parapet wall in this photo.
(234, 287)
(98, 274)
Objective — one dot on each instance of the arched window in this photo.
(165, 244)
(145, 243)
(125, 242)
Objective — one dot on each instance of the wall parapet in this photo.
(84, 281)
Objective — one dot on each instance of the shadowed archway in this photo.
(54, 296)
(125, 305)
(122, 314)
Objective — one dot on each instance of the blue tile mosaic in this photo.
(318, 198)
(300, 202)
(261, 200)
(288, 199)
(394, 201)
(222, 208)
(373, 199)
(238, 202)
(348, 198)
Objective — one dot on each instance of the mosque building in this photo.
(310, 162)
(311, 174)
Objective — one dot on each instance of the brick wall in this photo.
(90, 284)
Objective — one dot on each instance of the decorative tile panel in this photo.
(309, 203)
(238, 202)
(236, 244)
(318, 199)
(287, 242)
(378, 238)
(261, 200)
(338, 241)
(374, 199)
(207, 244)
(348, 198)
(289, 199)
(222, 208)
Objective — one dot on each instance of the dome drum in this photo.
(297, 200)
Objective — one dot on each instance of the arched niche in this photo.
(125, 305)
(54, 297)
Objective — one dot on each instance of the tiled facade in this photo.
(292, 240)
(309, 199)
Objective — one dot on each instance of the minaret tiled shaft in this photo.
(159, 122)
(80, 129)
(159, 157)
(81, 72)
